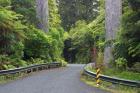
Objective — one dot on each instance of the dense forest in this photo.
(84, 36)
(22, 43)
(75, 29)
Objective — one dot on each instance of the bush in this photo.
(18, 62)
(37, 45)
(20, 38)
(4, 62)
(11, 33)
(85, 37)
(35, 61)
(63, 62)
(99, 60)
(136, 67)
(5, 3)
(56, 49)
(9, 63)
(127, 45)
(121, 63)
(48, 47)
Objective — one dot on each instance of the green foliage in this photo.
(56, 32)
(45, 46)
(119, 50)
(121, 63)
(5, 3)
(84, 37)
(99, 60)
(27, 9)
(54, 17)
(98, 28)
(135, 4)
(62, 61)
(127, 43)
(12, 33)
(136, 67)
(122, 74)
(4, 61)
(17, 62)
(56, 49)
(82, 40)
(11, 37)
(73, 10)
(130, 30)
(20, 39)
(35, 61)
(37, 44)
(9, 63)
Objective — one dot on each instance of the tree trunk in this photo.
(113, 13)
(42, 11)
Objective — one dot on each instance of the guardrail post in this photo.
(46, 67)
(98, 76)
(32, 70)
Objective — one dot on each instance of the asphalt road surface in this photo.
(59, 80)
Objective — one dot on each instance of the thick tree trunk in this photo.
(113, 10)
(42, 10)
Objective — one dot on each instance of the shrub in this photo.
(127, 45)
(63, 62)
(9, 63)
(37, 44)
(11, 33)
(99, 60)
(18, 62)
(4, 61)
(56, 49)
(136, 67)
(35, 61)
(121, 63)
(5, 3)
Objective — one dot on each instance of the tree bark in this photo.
(113, 12)
(42, 11)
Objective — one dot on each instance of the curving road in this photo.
(60, 80)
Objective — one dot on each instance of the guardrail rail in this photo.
(9, 74)
(113, 80)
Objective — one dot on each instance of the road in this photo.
(59, 80)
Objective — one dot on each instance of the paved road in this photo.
(60, 80)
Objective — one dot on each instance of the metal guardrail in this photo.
(30, 69)
(113, 80)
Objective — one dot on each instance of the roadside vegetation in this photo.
(109, 86)
(22, 43)
(84, 37)
(129, 75)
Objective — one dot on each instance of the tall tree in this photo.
(43, 14)
(113, 14)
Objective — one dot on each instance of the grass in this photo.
(119, 74)
(109, 86)
(7, 78)
(122, 74)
